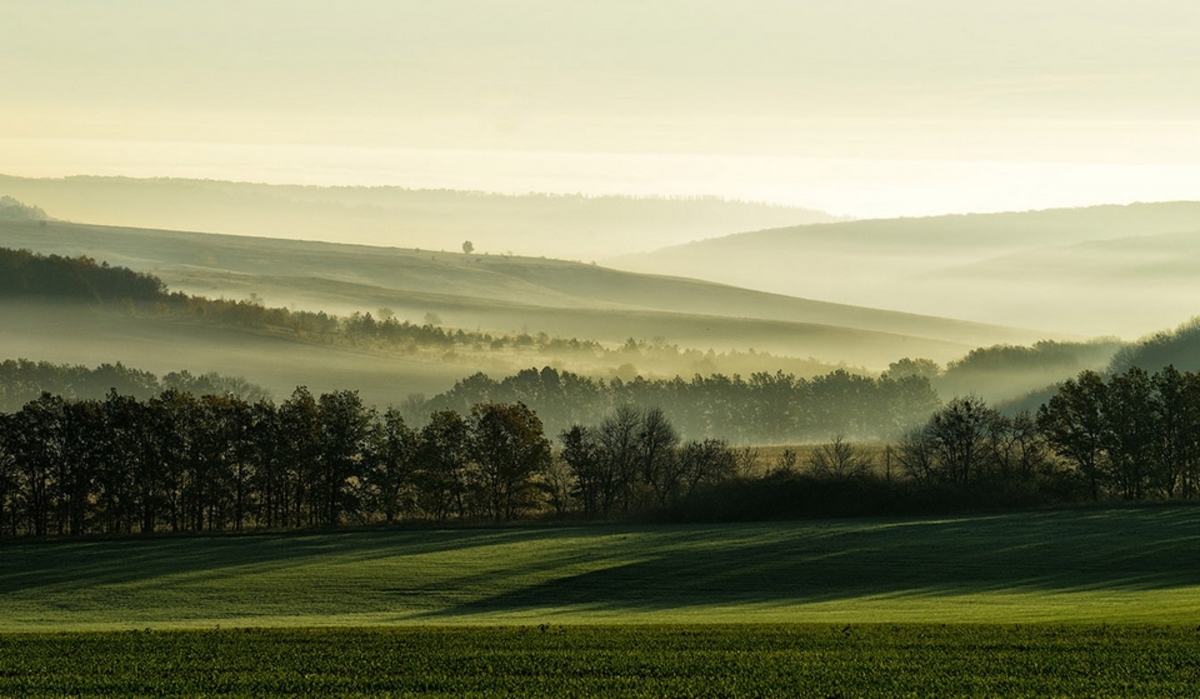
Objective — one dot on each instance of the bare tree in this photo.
(839, 459)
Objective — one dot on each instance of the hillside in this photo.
(13, 210)
(1132, 565)
(567, 226)
(513, 294)
(1106, 270)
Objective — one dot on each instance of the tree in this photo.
(301, 440)
(1074, 424)
(559, 484)
(1130, 431)
(617, 439)
(705, 463)
(960, 433)
(270, 476)
(1019, 450)
(953, 446)
(468, 247)
(838, 459)
(920, 367)
(394, 461)
(8, 477)
(36, 443)
(581, 453)
(344, 428)
(442, 458)
(509, 446)
(656, 443)
(83, 430)
(1176, 449)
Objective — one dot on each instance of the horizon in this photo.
(852, 188)
(868, 109)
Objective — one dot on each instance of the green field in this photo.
(635, 661)
(1091, 602)
(1087, 566)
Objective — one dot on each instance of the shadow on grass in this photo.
(1115, 550)
(35, 564)
(623, 567)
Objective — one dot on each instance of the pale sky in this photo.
(861, 107)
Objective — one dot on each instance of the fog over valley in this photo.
(612, 348)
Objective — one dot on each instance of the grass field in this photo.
(1086, 566)
(1086, 603)
(612, 661)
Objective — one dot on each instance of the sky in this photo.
(857, 107)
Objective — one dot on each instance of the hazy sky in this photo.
(866, 107)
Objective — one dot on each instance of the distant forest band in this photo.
(182, 462)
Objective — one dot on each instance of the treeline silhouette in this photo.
(13, 210)
(1132, 436)
(22, 380)
(1179, 348)
(181, 463)
(23, 273)
(185, 463)
(765, 408)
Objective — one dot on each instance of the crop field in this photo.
(1129, 565)
(612, 661)
(1092, 602)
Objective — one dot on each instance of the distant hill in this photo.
(514, 294)
(1179, 347)
(13, 210)
(1105, 270)
(563, 226)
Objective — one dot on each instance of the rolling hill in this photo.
(1106, 270)
(512, 294)
(567, 226)
(1087, 566)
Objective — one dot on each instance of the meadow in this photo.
(1091, 602)
(1132, 565)
(612, 661)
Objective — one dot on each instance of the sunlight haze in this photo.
(866, 108)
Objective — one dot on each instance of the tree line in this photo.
(23, 380)
(764, 408)
(184, 463)
(1131, 435)
(23, 273)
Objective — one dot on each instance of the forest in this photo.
(765, 408)
(182, 462)
(117, 450)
